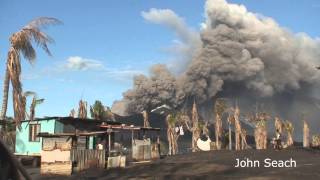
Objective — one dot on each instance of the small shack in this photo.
(145, 141)
(29, 145)
(65, 145)
(65, 153)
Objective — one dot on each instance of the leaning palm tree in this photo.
(21, 44)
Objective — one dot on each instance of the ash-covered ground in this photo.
(213, 165)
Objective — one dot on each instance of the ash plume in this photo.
(240, 54)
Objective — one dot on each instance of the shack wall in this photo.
(56, 156)
(25, 147)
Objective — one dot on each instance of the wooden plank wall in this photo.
(63, 143)
(141, 149)
(87, 158)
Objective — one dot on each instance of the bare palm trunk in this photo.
(169, 134)
(306, 135)
(82, 111)
(230, 120)
(218, 131)
(230, 138)
(244, 143)
(260, 136)
(172, 136)
(195, 127)
(146, 122)
(278, 125)
(169, 141)
(290, 139)
(237, 128)
(6, 86)
(257, 137)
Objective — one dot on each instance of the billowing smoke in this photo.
(189, 39)
(240, 53)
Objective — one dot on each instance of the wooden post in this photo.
(109, 141)
(230, 139)
(158, 142)
(109, 136)
(132, 136)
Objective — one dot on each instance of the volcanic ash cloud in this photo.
(238, 48)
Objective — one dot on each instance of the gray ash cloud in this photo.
(239, 53)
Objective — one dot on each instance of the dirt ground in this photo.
(213, 165)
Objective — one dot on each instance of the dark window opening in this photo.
(34, 130)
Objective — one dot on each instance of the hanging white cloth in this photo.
(181, 131)
(204, 145)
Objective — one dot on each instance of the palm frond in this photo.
(21, 42)
(42, 22)
(32, 32)
(39, 101)
(40, 38)
(29, 93)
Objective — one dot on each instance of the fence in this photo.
(87, 158)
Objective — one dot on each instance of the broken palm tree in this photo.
(205, 130)
(82, 111)
(306, 134)
(278, 125)
(193, 127)
(173, 120)
(289, 129)
(146, 122)
(219, 109)
(315, 141)
(244, 144)
(237, 128)
(230, 122)
(260, 131)
(72, 113)
(34, 103)
(170, 133)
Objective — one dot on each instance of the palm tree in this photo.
(34, 103)
(195, 127)
(21, 43)
(101, 112)
(82, 110)
(219, 109)
(289, 128)
(97, 110)
(238, 128)
(72, 113)
(306, 132)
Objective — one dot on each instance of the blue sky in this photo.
(116, 42)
